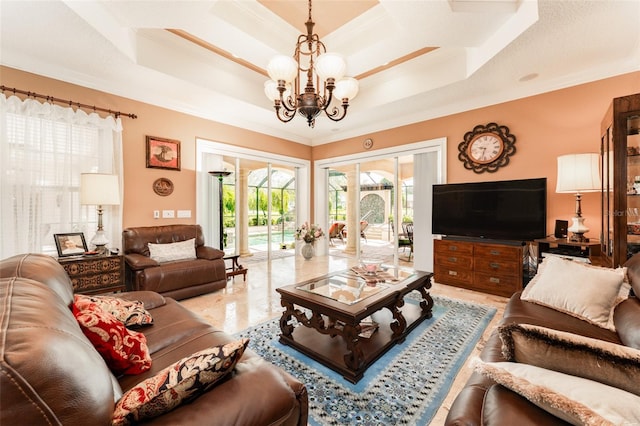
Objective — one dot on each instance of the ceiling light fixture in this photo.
(310, 58)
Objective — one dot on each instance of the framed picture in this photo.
(163, 153)
(72, 244)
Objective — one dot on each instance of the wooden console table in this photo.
(235, 268)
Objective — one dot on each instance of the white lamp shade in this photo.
(271, 90)
(346, 88)
(578, 173)
(282, 67)
(330, 65)
(99, 189)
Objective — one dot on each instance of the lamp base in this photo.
(578, 229)
(100, 241)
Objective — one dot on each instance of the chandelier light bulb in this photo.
(347, 88)
(271, 90)
(282, 67)
(330, 65)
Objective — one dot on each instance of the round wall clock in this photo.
(368, 143)
(486, 148)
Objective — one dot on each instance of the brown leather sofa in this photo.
(177, 279)
(484, 402)
(51, 373)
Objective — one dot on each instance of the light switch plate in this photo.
(184, 214)
(168, 214)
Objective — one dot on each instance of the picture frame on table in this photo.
(70, 244)
(162, 153)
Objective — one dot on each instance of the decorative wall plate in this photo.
(163, 187)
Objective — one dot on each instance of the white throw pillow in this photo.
(577, 289)
(573, 399)
(182, 250)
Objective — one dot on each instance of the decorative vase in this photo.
(307, 250)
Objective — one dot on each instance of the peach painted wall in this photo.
(546, 126)
(139, 198)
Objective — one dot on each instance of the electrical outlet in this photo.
(184, 213)
(156, 214)
(168, 214)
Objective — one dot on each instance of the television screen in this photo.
(502, 210)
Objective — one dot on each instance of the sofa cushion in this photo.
(130, 312)
(179, 383)
(627, 321)
(608, 363)
(125, 351)
(584, 291)
(181, 250)
(573, 399)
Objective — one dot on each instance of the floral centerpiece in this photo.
(309, 233)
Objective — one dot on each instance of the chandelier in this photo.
(310, 63)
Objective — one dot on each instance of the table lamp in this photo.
(578, 173)
(101, 190)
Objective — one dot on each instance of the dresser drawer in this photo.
(447, 247)
(498, 266)
(455, 260)
(444, 275)
(502, 285)
(510, 253)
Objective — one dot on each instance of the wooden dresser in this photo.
(483, 266)
(96, 274)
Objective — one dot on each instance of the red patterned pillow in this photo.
(125, 351)
(179, 383)
(130, 312)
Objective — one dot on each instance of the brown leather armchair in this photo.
(178, 279)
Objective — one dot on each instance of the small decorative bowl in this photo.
(371, 266)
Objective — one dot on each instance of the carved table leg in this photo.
(426, 303)
(285, 327)
(354, 358)
(399, 323)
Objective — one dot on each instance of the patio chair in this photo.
(406, 238)
(335, 231)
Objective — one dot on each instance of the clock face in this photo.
(485, 148)
(367, 144)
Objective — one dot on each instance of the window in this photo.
(43, 151)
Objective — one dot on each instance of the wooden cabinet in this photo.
(92, 275)
(571, 250)
(620, 164)
(488, 267)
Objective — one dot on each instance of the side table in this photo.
(95, 274)
(235, 268)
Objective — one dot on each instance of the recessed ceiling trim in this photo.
(395, 62)
(227, 55)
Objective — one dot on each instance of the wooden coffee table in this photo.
(331, 330)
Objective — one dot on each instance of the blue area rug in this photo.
(406, 386)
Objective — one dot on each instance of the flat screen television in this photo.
(500, 210)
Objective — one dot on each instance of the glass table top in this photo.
(352, 286)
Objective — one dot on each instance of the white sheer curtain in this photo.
(43, 150)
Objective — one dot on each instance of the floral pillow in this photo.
(125, 351)
(130, 312)
(179, 383)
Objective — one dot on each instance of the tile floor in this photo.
(245, 303)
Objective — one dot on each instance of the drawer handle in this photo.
(494, 280)
(453, 259)
(453, 248)
(454, 273)
(495, 252)
(494, 265)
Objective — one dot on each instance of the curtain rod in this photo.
(63, 101)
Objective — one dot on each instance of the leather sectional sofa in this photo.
(52, 374)
(482, 401)
(178, 279)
